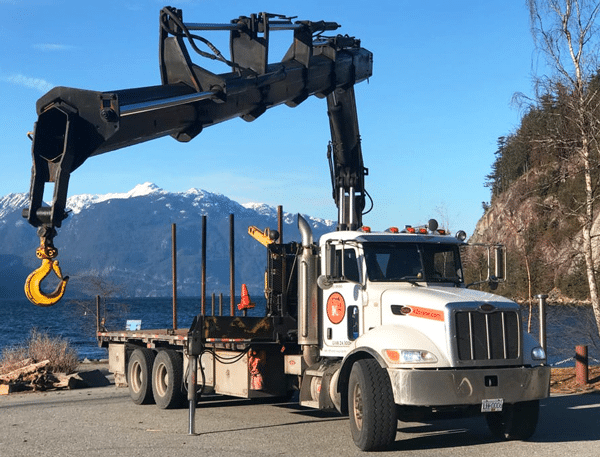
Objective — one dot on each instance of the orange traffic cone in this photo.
(245, 303)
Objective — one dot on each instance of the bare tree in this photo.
(565, 31)
(106, 314)
(526, 258)
(443, 216)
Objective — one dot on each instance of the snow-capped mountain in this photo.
(125, 238)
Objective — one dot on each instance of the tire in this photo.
(371, 407)
(167, 380)
(515, 422)
(139, 376)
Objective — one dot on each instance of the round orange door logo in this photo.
(336, 308)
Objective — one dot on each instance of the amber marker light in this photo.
(392, 355)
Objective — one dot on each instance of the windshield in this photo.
(412, 262)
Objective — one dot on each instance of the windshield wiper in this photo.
(410, 279)
(454, 281)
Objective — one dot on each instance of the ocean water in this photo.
(566, 326)
(75, 319)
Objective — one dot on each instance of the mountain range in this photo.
(125, 240)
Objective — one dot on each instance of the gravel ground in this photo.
(564, 380)
(102, 421)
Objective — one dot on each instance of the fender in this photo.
(340, 379)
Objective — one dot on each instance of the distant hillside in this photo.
(126, 239)
(544, 186)
(540, 237)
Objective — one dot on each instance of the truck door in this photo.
(342, 303)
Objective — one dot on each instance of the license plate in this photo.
(492, 405)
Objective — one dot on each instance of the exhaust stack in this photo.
(308, 312)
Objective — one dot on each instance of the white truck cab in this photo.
(399, 300)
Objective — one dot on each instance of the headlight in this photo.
(538, 353)
(396, 356)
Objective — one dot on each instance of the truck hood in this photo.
(437, 297)
(429, 310)
(432, 303)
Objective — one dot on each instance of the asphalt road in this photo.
(102, 421)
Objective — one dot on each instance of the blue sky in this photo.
(440, 96)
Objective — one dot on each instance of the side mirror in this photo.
(326, 280)
(496, 264)
(499, 263)
(331, 267)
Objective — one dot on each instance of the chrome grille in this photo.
(487, 336)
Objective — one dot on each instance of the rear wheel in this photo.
(371, 407)
(515, 422)
(139, 376)
(167, 380)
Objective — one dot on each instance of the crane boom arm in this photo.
(75, 124)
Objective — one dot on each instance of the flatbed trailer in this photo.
(151, 338)
(239, 355)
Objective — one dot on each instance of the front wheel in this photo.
(371, 407)
(515, 422)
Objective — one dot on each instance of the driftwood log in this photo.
(36, 376)
(21, 373)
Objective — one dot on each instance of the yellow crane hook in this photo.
(33, 289)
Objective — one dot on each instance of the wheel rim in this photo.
(136, 376)
(162, 380)
(357, 411)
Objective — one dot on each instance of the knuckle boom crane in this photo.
(379, 326)
(74, 124)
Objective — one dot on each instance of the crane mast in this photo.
(345, 158)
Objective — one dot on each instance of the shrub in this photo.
(39, 347)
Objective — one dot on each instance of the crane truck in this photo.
(379, 326)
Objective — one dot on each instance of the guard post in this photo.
(542, 311)
(581, 365)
